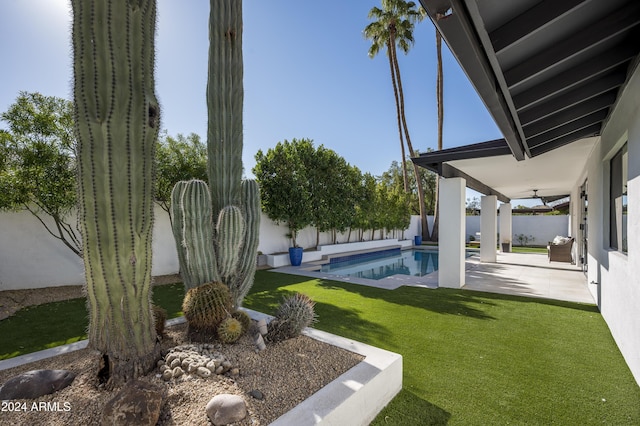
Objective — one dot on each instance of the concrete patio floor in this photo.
(532, 275)
(520, 274)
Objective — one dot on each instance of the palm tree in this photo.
(393, 28)
(440, 103)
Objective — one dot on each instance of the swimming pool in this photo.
(383, 264)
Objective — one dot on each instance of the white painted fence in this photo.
(31, 258)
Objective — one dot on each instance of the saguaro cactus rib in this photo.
(116, 125)
(225, 97)
(235, 204)
(193, 232)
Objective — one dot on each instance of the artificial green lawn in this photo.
(53, 324)
(470, 358)
(474, 358)
(528, 249)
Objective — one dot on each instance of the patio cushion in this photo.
(560, 240)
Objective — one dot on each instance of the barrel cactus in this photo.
(244, 318)
(294, 314)
(206, 306)
(216, 229)
(160, 318)
(229, 330)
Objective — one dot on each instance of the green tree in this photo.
(392, 205)
(392, 28)
(37, 163)
(393, 179)
(330, 180)
(473, 206)
(179, 158)
(284, 184)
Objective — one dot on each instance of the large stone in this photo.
(225, 409)
(137, 403)
(36, 383)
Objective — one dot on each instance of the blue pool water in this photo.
(379, 265)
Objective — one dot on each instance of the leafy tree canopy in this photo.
(38, 162)
(285, 187)
(38, 167)
(179, 158)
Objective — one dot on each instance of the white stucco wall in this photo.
(542, 228)
(617, 274)
(31, 258)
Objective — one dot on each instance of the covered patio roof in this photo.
(550, 73)
(551, 176)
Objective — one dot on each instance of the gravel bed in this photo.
(286, 373)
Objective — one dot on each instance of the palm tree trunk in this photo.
(391, 50)
(440, 102)
(422, 207)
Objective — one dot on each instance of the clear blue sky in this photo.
(307, 75)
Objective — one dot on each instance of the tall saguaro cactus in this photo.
(225, 97)
(234, 208)
(116, 124)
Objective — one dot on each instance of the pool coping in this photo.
(355, 397)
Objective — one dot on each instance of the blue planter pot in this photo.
(417, 240)
(295, 256)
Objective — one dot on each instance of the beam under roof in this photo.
(601, 31)
(534, 19)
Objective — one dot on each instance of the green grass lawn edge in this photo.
(469, 357)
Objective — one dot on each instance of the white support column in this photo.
(506, 229)
(488, 228)
(451, 233)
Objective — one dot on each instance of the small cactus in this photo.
(244, 319)
(294, 314)
(206, 306)
(160, 316)
(229, 330)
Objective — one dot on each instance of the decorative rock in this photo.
(203, 372)
(225, 408)
(257, 394)
(138, 403)
(235, 372)
(177, 372)
(167, 374)
(36, 383)
(189, 358)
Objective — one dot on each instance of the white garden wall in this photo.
(542, 228)
(31, 258)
